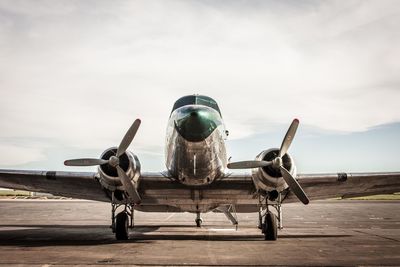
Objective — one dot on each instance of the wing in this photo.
(158, 191)
(345, 185)
(162, 193)
(83, 185)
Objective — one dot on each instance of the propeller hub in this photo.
(114, 161)
(277, 162)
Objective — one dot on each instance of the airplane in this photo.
(198, 177)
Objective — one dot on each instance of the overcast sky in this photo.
(75, 74)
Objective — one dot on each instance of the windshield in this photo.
(196, 100)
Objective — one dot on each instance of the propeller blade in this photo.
(85, 162)
(249, 164)
(127, 140)
(288, 137)
(294, 186)
(129, 187)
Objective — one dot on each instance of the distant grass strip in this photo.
(395, 196)
(7, 193)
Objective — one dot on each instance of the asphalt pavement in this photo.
(74, 232)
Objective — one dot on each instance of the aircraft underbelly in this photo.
(161, 194)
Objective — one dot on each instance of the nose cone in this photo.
(195, 124)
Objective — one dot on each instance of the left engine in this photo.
(119, 169)
(109, 178)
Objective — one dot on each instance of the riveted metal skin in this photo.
(195, 151)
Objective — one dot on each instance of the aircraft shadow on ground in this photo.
(227, 237)
(91, 235)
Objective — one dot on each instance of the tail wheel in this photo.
(199, 222)
(270, 227)
(121, 226)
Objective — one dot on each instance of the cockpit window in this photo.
(196, 99)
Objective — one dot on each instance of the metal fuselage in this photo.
(195, 148)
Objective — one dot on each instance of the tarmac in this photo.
(75, 232)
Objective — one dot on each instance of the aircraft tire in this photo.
(121, 226)
(270, 227)
(199, 222)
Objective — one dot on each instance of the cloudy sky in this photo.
(75, 74)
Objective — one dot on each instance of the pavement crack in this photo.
(384, 237)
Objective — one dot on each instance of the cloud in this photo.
(81, 72)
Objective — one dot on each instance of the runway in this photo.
(67, 232)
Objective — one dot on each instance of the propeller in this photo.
(85, 162)
(294, 185)
(249, 164)
(130, 189)
(278, 164)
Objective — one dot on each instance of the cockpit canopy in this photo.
(196, 100)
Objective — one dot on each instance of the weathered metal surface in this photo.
(167, 192)
(82, 185)
(195, 163)
(323, 186)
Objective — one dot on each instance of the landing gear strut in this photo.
(228, 210)
(124, 220)
(268, 221)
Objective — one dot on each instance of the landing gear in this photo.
(121, 223)
(230, 213)
(268, 221)
(270, 228)
(121, 226)
(198, 220)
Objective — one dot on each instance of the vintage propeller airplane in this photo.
(197, 179)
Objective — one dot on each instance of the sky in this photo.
(74, 75)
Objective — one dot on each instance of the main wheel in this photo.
(121, 226)
(270, 227)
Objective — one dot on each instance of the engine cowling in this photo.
(269, 178)
(128, 161)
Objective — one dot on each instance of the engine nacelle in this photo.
(129, 162)
(269, 178)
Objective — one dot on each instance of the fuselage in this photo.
(195, 148)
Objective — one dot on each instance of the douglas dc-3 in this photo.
(197, 177)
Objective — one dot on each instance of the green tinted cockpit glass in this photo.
(196, 100)
(196, 124)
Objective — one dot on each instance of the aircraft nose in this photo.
(196, 125)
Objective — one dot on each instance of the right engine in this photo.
(269, 178)
(274, 169)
